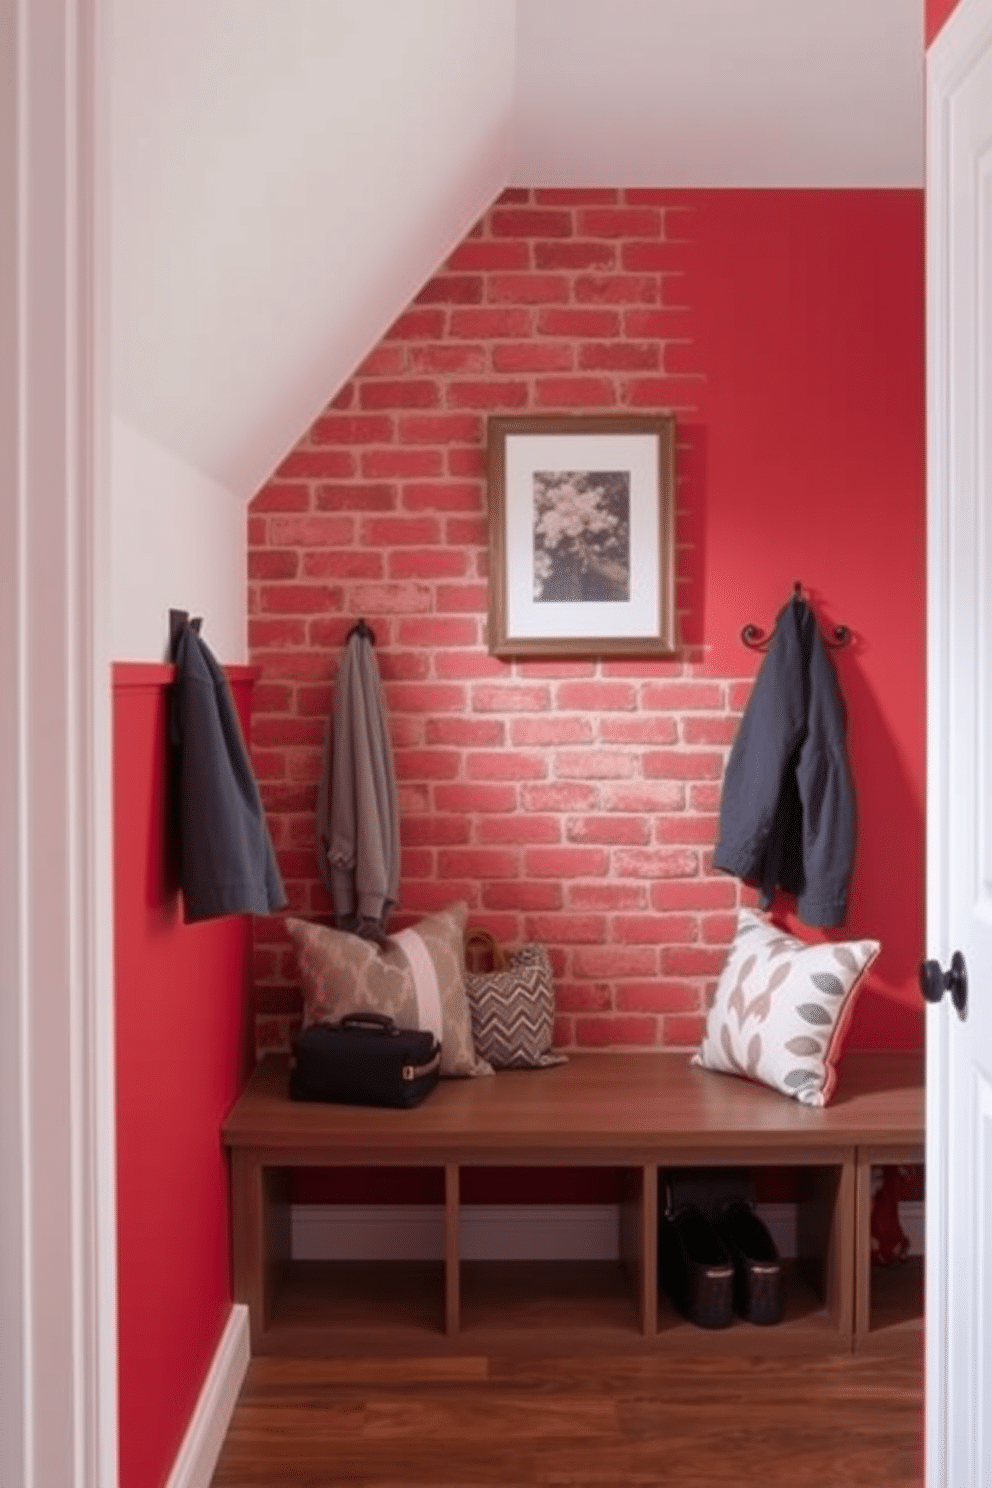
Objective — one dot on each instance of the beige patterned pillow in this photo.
(417, 978)
(781, 1008)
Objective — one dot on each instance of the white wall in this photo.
(178, 541)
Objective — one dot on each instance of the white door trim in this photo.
(58, 1352)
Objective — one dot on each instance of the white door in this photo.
(959, 806)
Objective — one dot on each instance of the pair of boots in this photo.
(712, 1269)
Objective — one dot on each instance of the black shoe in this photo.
(759, 1289)
(697, 1270)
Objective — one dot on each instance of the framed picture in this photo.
(581, 548)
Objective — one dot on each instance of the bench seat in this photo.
(634, 1112)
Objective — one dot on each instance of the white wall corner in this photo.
(194, 1466)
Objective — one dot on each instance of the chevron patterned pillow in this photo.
(513, 1011)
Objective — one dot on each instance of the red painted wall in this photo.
(182, 1052)
(937, 12)
(576, 802)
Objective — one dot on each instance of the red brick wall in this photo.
(576, 802)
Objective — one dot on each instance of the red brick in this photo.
(574, 392)
(598, 697)
(609, 830)
(695, 960)
(272, 564)
(654, 795)
(609, 897)
(466, 666)
(530, 222)
(719, 929)
(433, 697)
(527, 289)
(282, 496)
(620, 222)
(551, 729)
(620, 356)
(575, 930)
(383, 361)
(572, 255)
(505, 764)
(521, 895)
(407, 392)
(657, 862)
(602, 323)
(390, 532)
(558, 797)
(355, 497)
(344, 397)
(441, 428)
(427, 563)
(390, 599)
(664, 995)
(400, 464)
(448, 358)
(469, 531)
(703, 730)
(617, 289)
(620, 1032)
(533, 356)
(652, 729)
(417, 325)
(513, 698)
(567, 862)
(683, 764)
(576, 196)
(488, 256)
(487, 394)
(697, 893)
(442, 496)
(478, 863)
(653, 324)
(681, 696)
(310, 464)
(452, 289)
(582, 997)
(594, 764)
(435, 831)
(298, 599)
(352, 428)
(426, 764)
(687, 829)
(490, 324)
(264, 634)
(464, 732)
(519, 829)
(460, 599)
(432, 632)
(311, 531)
(342, 563)
(683, 1031)
(272, 697)
(739, 694)
(470, 462)
(267, 732)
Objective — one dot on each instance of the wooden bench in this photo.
(634, 1113)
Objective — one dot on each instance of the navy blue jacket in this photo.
(787, 817)
(226, 859)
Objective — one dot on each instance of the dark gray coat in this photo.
(226, 859)
(787, 818)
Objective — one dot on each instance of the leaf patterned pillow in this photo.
(781, 1008)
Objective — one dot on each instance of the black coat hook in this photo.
(363, 630)
(757, 639)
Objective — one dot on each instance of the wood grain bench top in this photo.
(599, 1106)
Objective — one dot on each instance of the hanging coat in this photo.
(787, 816)
(358, 827)
(227, 864)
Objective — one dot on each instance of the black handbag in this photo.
(364, 1060)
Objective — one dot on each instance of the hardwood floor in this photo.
(836, 1422)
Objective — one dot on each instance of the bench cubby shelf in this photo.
(638, 1114)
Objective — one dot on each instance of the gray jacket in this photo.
(787, 817)
(358, 826)
(227, 862)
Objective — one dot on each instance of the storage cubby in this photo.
(470, 1134)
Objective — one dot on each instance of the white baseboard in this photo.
(500, 1232)
(194, 1466)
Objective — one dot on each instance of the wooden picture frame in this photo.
(581, 536)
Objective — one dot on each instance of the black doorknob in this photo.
(935, 981)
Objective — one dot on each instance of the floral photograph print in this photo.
(580, 525)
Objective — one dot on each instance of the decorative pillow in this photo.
(513, 1011)
(417, 977)
(781, 1008)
